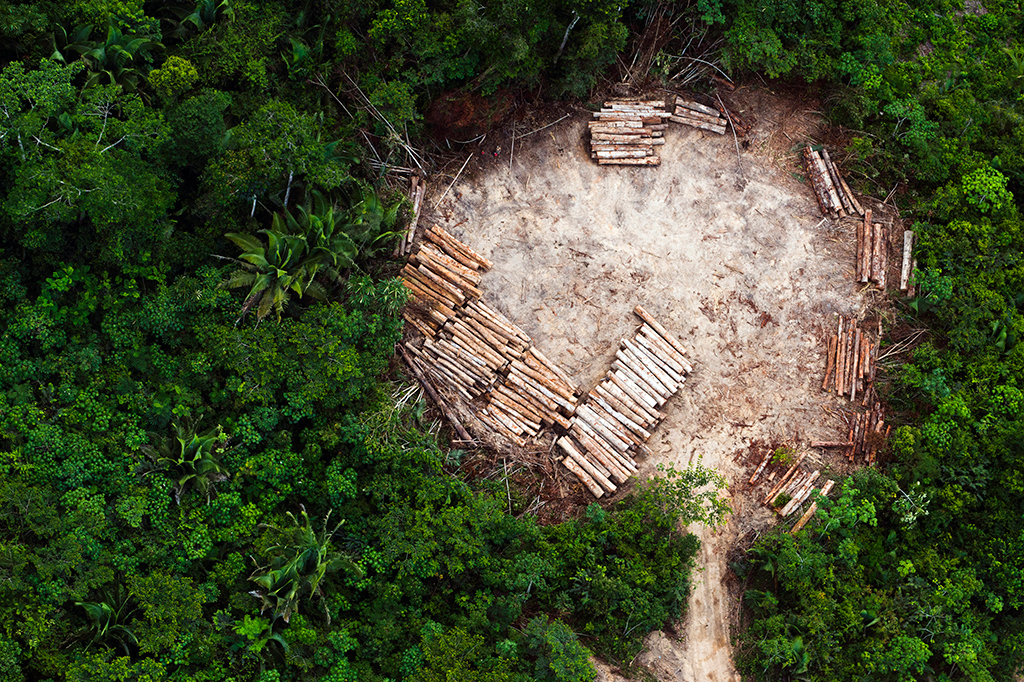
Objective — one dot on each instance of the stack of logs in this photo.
(851, 358)
(417, 188)
(472, 350)
(442, 275)
(872, 251)
(533, 394)
(833, 194)
(868, 433)
(615, 418)
(697, 115)
(797, 485)
(626, 132)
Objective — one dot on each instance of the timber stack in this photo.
(443, 276)
(532, 394)
(625, 133)
(850, 360)
(792, 489)
(696, 115)
(873, 253)
(616, 417)
(909, 263)
(833, 194)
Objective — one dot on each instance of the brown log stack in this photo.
(623, 132)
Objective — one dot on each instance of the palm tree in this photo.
(300, 562)
(116, 60)
(190, 459)
(108, 619)
(272, 272)
(299, 248)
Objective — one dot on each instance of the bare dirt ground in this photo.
(737, 264)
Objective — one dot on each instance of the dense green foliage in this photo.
(191, 492)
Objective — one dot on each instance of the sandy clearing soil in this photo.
(741, 269)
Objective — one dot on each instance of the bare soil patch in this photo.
(737, 263)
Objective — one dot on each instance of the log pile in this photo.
(697, 115)
(868, 434)
(873, 252)
(797, 485)
(533, 394)
(443, 276)
(833, 194)
(615, 418)
(850, 360)
(626, 132)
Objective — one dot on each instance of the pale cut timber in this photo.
(666, 358)
(555, 369)
(620, 139)
(652, 375)
(802, 494)
(697, 106)
(696, 123)
(783, 480)
(855, 353)
(865, 250)
(833, 193)
(860, 251)
(649, 161)
(852, 197)
(537, 389)
(589, 483)
(876, 252)
(760, 467)
(618, 388)
(594, 443)
(656, 338)
(638, 154)
(542, 379)
(656, 326)
(656, 362)
(615, 470)
(616, 124)
(625, 418)
(451, 251)
(626, 408)
(429, 252)
(707, 118)
(810, 510)
(834, 174)
(641, 383)
(484, 263)
(908, 248)
(598, 424)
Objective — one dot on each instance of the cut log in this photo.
(642, 366)
(830, 361)
(697, 123)
(876, 251)
(810, 510)
(860, 251)
(589, 439)
(634, 124)
(826, 178)
(648, 161)
(801, 495)
(662, 332)
(850, 195)
(652, 335)
(618, 388)
(697, 106)
(585, 464)
(616, 426)
(666, 359)
(468, 252)
(833, 173)
(582, 475)
(656, 363)
(553, 368)
(430, 253)
(908, 248)
(784, 480)
(626, 407)
(641, 378)
(608, 432)
(760, 467)
(867, 235)
(855, 358)
(613, 138)
(714, 119)
(883, 270)
(831, 444)
(841, 360)
(638, 154)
